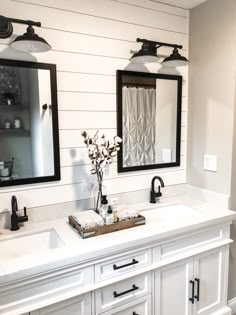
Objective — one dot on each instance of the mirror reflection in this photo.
(28, 144)
(149, 115)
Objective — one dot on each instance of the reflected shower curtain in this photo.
(139, 115)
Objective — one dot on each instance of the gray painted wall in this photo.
(212, 102)
(212, 89)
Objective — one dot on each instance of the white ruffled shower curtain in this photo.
(139, 115)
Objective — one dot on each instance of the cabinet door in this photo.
(81, 305)
(211, 268)
(173, 288)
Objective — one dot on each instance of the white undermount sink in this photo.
(24, 244)
(171, 213)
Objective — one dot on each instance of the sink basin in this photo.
(172, 213)
(25, 244)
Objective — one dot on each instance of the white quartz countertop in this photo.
(162, 223)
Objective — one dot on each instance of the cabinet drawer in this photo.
(190, 242)
(118, 266)
(141, 306)
(122, 292)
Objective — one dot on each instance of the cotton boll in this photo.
(113, 154)
(91, 148)
(117, 139)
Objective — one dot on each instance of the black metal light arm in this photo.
(159, 44)
(18, 21)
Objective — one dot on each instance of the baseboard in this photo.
(232, 305)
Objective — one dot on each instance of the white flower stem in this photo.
(100, 179)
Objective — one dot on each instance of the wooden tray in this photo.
(118, 226)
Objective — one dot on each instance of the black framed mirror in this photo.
(29, 139)
(148, 120)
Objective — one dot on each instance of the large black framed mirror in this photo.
(148, 120)
(29, 137)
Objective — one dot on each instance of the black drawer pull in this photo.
(192, 298)
(133, 262)
(134, 288)
(197, 297)
(134, 313)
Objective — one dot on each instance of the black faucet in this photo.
(153, 194)
(15, 219)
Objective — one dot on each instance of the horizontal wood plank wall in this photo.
(91, 40)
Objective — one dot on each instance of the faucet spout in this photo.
(160, 180)
(153, 194)
(14, 205)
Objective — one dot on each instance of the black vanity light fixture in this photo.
(29, 41)
(148, 53)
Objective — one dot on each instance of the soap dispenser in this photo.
(109, 216)
(104, 207)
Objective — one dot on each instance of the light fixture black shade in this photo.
(30, 42)
(175, 60)
(148, 53)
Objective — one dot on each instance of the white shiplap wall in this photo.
(91, 39)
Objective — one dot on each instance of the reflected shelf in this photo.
(12, 107)
(14, 132)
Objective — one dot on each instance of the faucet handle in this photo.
(25, 213)
(23, 218)
(159, 194)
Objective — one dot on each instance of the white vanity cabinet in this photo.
(81, 305)
(183, 274)
(193, 286)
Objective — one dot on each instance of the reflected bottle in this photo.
(17, 123)
(7, 124)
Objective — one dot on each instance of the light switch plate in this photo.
(210, 162)
(166, 155)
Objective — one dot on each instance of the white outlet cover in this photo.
(210, 162)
